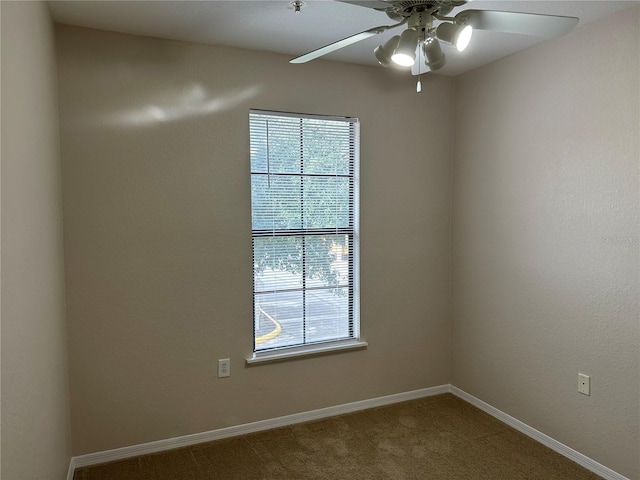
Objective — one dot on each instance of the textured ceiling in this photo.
(273, 25)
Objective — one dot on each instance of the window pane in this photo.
(277, 263)
(275, 145)
(328, 147)
(326, 202)
(326, 260)
(278, 320)
(327, 314)
(275, 202)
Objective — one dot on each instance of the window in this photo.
(304, 193)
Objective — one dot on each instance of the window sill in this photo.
(308, 350)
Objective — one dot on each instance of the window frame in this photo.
(354, 341)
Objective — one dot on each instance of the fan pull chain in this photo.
(420, 45)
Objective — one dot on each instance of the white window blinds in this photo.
(304, 225)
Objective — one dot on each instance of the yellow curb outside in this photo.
(272, 334)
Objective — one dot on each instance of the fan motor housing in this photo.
(400, 9)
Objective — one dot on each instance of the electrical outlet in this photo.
(224, 367)
(584, 384)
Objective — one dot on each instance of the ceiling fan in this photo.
(421, 37)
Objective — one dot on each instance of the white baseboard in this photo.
(72, 468)
(193, 439)
(546, 440)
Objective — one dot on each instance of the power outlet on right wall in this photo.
(584, 384)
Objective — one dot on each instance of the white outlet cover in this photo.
(224, 367)
(584, 384)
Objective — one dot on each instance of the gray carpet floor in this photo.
(440, 437)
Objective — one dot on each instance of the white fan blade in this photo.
(375, 4)
(522, 23)
(332, 47)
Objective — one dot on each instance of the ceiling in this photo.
(274, 26)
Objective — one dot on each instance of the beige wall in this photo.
(545, 238)
(36, 433)
(158, 246)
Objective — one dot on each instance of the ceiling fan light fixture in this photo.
(384, 52)
(405, 53)
(464, 38)
(457, 35)
(434, 57)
